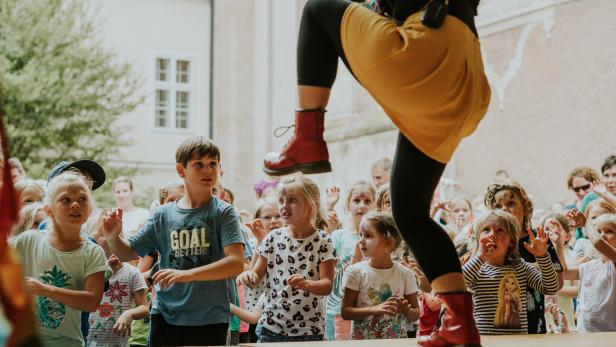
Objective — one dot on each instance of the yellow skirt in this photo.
(430, 82)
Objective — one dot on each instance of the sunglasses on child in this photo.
(584, 187)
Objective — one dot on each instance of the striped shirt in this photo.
(499, 293)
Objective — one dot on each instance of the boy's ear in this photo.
(180, 169)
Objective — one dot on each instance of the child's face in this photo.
(200, 174)
(70, 208)
(361, 202)
(123, 194)
(508, 201)
(372, 243)
(271, 218)
(30, 195)
(609, 178)
(608, 233)
(174, 194)
(551, 226)
(495, 238)
(379, 176)
(460, 212)
(580, 187)
(386, 203)
(294, 208)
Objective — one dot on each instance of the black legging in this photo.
(414, 175)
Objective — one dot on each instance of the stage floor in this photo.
(557, 340)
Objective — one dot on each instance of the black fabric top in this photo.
(464, 10)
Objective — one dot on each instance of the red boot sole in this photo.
(312, 168)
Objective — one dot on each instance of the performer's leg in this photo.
(318, 48)
(414, 178)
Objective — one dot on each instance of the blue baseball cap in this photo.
(91, 167)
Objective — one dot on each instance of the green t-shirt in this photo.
(234, 321)
(59, 325)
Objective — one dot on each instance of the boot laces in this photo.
(280, 131)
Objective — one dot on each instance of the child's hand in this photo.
(333, 195)
(258, 229)
(332, 221)
(598, 187)
(403, 305)
(538, 244)
(112, 223)
(299, 282)
(438, 206)
(247, 278)
(556, 235)
(165, 278)
(576, 218)
(389, 307)
(486, 247)
(422, 279)
(122, 326)
(36, 287)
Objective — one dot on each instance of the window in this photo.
(173, 90)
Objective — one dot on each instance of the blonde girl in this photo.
(63, 270)
(30, 217)
(488, 273)
(512, 198)
(379, 294)
(297, 262)
(558, 229)
(360, 199)
(29, 191)
(583, 249)
(597, 298)
(267, 217)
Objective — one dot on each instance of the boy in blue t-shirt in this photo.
(200, 244)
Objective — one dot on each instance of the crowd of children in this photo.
(182, 272)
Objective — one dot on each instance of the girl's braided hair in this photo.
(515, 188)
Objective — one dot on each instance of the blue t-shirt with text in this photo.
(186, 239)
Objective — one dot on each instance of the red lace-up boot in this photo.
(306, 151)
(458, 324)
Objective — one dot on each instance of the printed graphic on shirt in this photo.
(379, 296)
(190, 247)
(49, 312)
(509, 303)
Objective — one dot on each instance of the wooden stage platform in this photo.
(556, 340)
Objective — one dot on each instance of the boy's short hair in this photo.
(384, 163)
(196, 146)
(608, 163)
(122, 179)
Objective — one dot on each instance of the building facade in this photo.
(550, 64)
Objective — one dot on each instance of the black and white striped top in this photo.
(499, 293)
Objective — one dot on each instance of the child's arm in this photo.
(245, 315)
(323, 286)
(231, 265)
(545, 279)
(122, 326)
(605, 248)
(571, 273)
(252, 278)
(411, 308)
(112, 229)
(351, 312)
(471, 270)
(83, 300)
